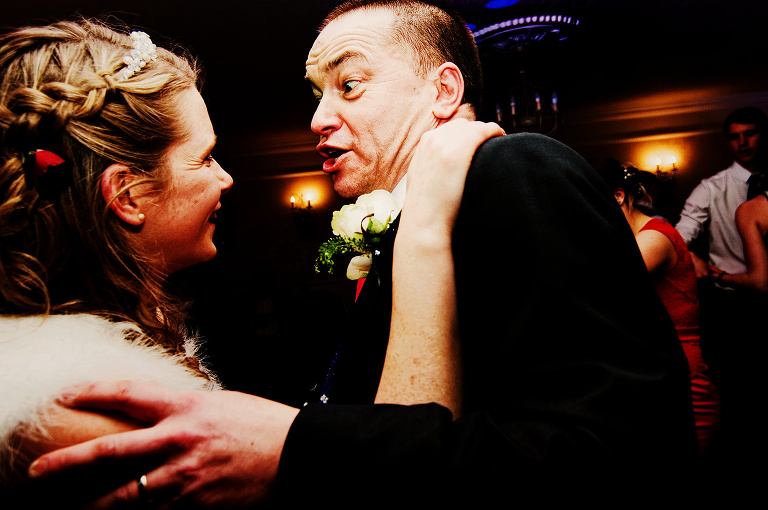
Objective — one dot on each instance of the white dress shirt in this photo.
(716, 199)
(398, 194)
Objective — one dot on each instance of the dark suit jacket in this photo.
(573, 370)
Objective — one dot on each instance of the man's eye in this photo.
(349, 85)
(316, 93)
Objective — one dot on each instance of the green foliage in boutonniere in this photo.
(334, 246)
(357, 228)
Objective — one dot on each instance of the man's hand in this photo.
(207, 449)
(702, 269)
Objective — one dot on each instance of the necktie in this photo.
(360, 284)
(756, 184)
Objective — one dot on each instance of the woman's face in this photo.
(179, 223)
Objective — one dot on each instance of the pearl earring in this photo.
(141, 217)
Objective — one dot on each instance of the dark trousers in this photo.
(733, 342)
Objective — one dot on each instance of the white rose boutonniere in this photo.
(357, 228)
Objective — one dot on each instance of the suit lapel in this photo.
(354, 375)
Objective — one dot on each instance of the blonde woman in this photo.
(98, 158)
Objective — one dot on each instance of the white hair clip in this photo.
(141, 54)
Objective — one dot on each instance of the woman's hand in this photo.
(438, 170)
(423, 360)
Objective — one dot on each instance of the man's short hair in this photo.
(435, 33)
(747, 115)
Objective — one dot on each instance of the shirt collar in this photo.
(398, 194)
(738, 171)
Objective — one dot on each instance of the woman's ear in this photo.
(114, 188)
(450, 91)
(618, 194)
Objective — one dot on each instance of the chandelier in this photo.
(523, 106)
(517, 96)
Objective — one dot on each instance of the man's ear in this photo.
(114, 182)
(450, 91)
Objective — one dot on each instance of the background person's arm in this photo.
(658, 252)
(752, 223)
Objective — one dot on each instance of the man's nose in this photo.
(325, 119)
(225, 180)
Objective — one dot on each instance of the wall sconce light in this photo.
(300, 202)
(666, 168)
(301, 207)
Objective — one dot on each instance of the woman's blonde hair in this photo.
(63, 251)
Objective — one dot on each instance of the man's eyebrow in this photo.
(333, 64)
(209, 148)
(347, 55)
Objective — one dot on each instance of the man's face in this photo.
(373, 108)
(744, 141)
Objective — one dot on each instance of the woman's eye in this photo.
(349, 85)
(208, 161)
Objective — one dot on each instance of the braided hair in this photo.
(61, 249)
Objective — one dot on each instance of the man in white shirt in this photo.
(731, 329)
(712, 204)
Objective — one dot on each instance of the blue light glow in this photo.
(498, 4)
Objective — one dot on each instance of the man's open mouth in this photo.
(331, 152)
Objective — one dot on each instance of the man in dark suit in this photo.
(574, 382)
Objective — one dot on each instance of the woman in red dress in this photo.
(669, 263)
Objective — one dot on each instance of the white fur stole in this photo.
(39, 356)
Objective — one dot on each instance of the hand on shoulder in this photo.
(438, 170)
(196, 440)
